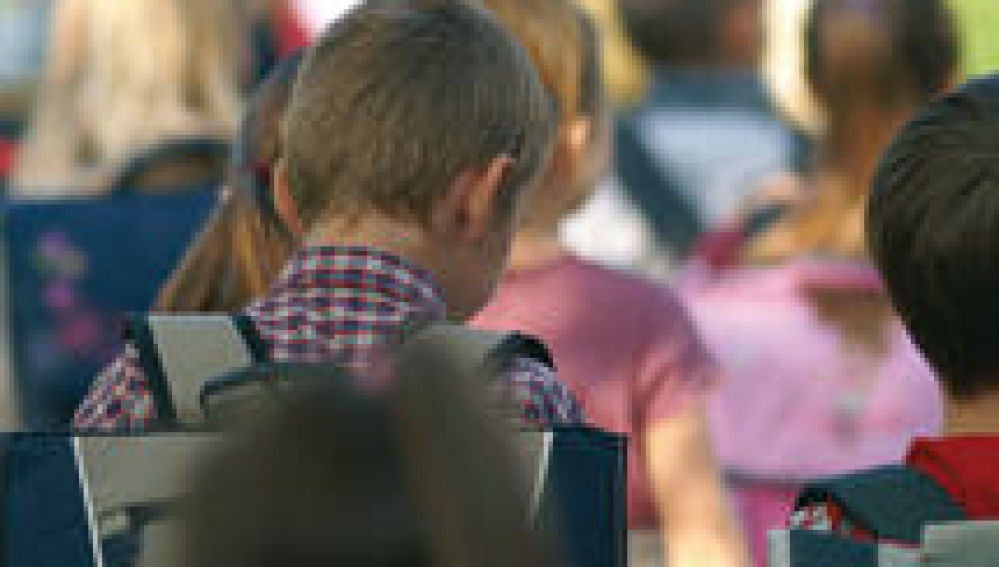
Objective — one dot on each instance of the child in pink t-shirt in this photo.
(624, 346)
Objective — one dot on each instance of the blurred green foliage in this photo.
(980, 23)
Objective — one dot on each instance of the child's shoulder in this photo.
(617, 284)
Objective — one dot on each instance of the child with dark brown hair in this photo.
(933, 221)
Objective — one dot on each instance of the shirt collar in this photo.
(364, 271)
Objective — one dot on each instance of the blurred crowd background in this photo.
(97, 97)
(26, 29)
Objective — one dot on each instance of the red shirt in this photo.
(291, 34)
(966, 467)
(7, 154)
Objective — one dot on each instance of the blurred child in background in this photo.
(122, 78)
(823, 379)
(704, 137)
(933, 221)
(625, 347)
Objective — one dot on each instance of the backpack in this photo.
(194, 363)
(132, 481)
(892, 503)
(957, 544)
(74, 269)
(75, 510)
(896, 504)
(203, 368)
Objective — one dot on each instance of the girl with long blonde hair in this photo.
(871, 65)
(122, 78)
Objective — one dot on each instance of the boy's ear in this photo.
(283, 201)
(470, 209)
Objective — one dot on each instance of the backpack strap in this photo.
(179, 353)
(476, 352)
(182, 354)
(892, 503)
(476, 356)
(673, 218)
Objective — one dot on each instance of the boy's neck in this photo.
(394, 238)
(445, 262)
(973, 417)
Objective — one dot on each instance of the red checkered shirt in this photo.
(332, 304)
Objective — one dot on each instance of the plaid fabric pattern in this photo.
(338, 304)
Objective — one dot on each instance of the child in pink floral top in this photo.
(623, 346)
(821, 376)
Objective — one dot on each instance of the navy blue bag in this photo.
(75, 267)
(583, 504)
(44, 522)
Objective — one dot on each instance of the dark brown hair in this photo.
(244, 244)
(933, 227)
(677, 32)
(872, 64)
(394, 102)
(888, 52)
(414, 476)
